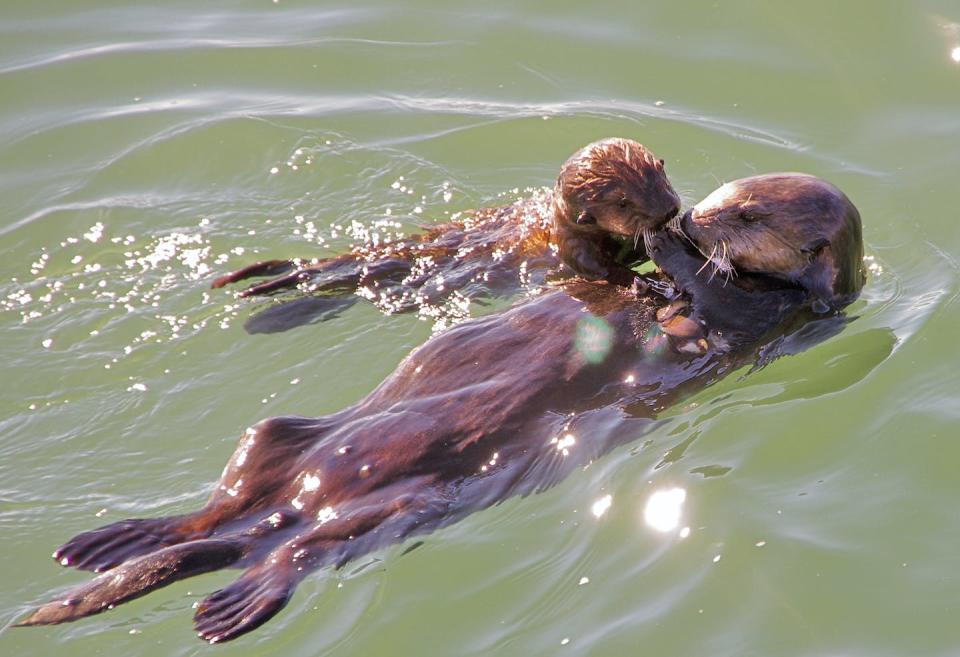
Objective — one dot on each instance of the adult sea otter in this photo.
(499, 405)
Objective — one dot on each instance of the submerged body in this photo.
(607, 194)
(497, 406)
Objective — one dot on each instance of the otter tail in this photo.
(138, 577)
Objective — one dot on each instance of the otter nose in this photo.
(671, 213)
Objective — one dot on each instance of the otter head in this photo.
(615, 186)
(791, 226)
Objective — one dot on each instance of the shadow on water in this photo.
(843, 362)
(847, 360)
(292, 313)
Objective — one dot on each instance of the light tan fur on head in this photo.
(792, 226)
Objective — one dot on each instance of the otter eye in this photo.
(623, 203)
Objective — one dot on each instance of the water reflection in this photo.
(601, 506)
(664, 509)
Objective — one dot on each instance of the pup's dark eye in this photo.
(622, 203)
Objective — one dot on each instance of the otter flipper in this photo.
(264, 268)
(104, 548)
(287, 282)
(138, 577)
(337, 276)
(245, 605)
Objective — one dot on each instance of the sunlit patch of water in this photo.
(664, 509)
(159, 280)
(130, 281)
(601, 506)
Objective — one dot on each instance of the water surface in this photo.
(145, 148)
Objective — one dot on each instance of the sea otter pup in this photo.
(613, 187)
(500, 405)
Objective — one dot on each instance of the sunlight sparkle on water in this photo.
(602, 505)
(564, 443)
(955, 54)
(664, 509)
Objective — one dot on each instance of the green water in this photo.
(136, 149)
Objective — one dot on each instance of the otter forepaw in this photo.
(639, 287)
(245, 605)
(104, 548)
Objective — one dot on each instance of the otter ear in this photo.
(815, 248)
(821, 278)
(585, 219)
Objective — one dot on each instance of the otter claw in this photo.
(665, 289)
(639, 287)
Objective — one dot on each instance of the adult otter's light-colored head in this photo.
(791, 226)
(615, 186)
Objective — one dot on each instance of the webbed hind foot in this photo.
(104, 548)
(247, 603)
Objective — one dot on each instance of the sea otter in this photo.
(730, 224)
(499, 405)
(607, 194)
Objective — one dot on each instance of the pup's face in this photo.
(616, 186)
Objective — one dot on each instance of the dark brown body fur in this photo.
(497, 406)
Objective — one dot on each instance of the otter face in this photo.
(791, 226)
(615, 186)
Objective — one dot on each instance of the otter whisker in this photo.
(636, 236)
(709, 258)
(730, 270)
(674, 225)
(713, 273)
(648, 239)
(721, 262)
